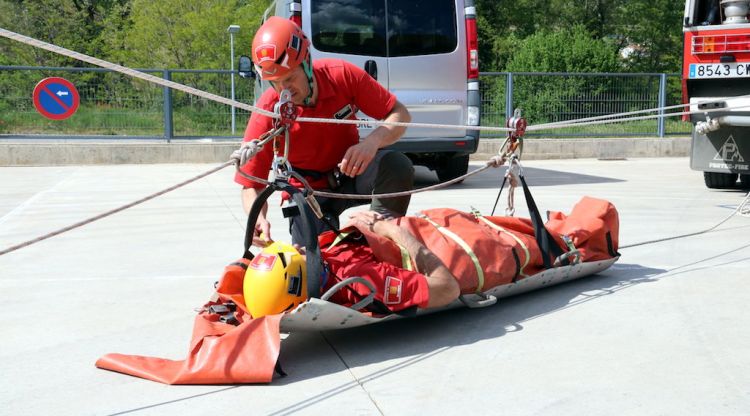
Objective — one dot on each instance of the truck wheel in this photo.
(452, 167)
(716, 180)
(745, 181)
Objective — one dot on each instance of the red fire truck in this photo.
(716, 84)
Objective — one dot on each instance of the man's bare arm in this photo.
(443, 285)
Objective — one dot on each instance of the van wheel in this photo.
(452, 167)
(716, 180)
(745, 181)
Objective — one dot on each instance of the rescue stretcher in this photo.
(322, 315)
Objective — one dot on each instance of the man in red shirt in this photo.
(328, 88)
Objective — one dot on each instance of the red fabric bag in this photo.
(220, 353)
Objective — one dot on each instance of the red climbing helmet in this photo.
(279, 46)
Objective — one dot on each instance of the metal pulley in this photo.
(517, 123)
(286, 109)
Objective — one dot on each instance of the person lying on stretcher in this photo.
(430, 285)
(430, 259)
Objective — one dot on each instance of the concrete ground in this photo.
(663, 332)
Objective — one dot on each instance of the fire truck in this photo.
(716, 84)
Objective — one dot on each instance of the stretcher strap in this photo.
(527, 256)
(464, 245)
(547, 244)
(312, 249)
(339, 238)
(405, 258)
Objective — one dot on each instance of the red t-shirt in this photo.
(320, 147)
(397, 288)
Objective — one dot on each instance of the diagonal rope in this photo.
(116, 210)
(194, 91)
(741, 209)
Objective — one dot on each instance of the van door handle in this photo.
(371, 67)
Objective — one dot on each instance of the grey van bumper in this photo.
(466, 145)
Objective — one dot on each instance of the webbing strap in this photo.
(312, 249)
(546, 242)
(339, 238)
(527, 255)
(464, 245)
(405, 258)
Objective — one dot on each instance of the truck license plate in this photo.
(728, 70)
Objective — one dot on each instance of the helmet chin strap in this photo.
(307, 67)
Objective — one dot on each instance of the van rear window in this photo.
(359, 27)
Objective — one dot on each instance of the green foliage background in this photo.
(518, 36)
(192, 33)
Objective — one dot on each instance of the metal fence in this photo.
(115, 104)
(556, 97)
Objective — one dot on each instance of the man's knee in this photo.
(395, 171)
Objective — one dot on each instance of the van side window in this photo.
(421, 27)
(355, 27)
(358, 27)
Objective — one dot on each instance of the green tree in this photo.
(653, 29)
(564, 50)
(73, 25)
(502, 25)
(182, 33)
(571, 50)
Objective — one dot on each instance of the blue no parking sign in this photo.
(56, 98)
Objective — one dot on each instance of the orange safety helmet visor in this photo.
(279, 46)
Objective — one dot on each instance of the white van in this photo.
(424, 51)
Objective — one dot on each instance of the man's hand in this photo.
(262, 233)
(375, 222)
(358, 157)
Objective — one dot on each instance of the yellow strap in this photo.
(464, 245)
(339, 238)
(405, 258)
(515, 237)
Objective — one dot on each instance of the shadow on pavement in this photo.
(493, 177)
(427, 336)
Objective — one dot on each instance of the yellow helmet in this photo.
(275, 280)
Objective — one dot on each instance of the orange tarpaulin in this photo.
(220, 353)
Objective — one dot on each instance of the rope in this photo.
(585, 120)
(213, 97)
(743, 209)
(131, 72)
(489, 164)
(116, 210)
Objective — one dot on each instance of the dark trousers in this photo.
(389, 171)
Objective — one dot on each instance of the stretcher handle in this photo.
(314, 265)
(252, 218)
(338, 286)
(483, 302)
